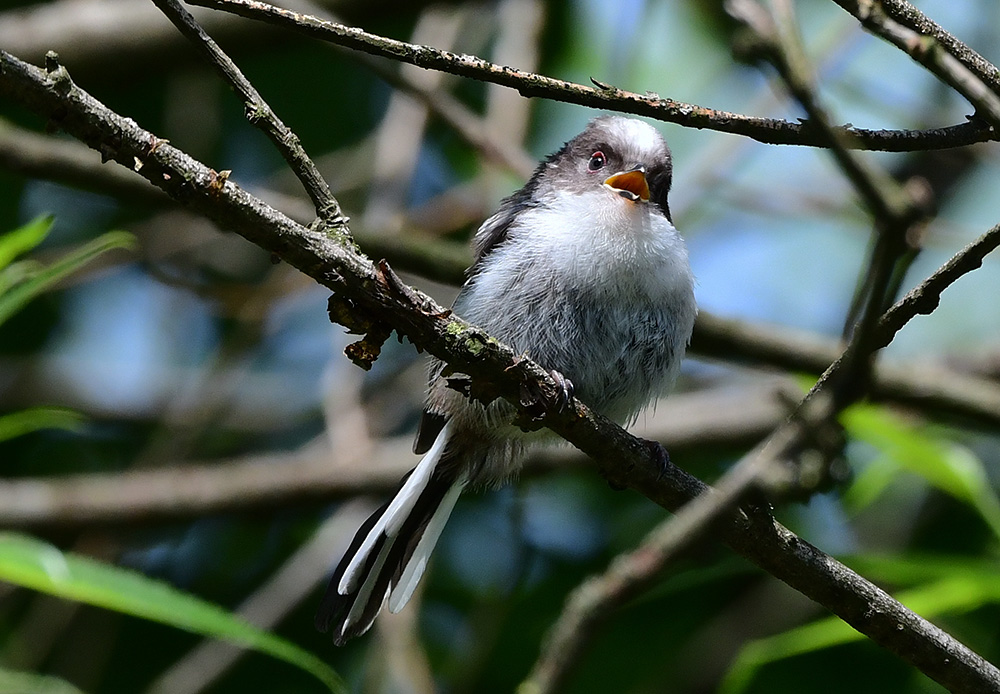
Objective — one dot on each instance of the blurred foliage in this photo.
(27, 562)
(196, 348)
(22, 281)
(30, 683)
(34, 418)
(947, 465)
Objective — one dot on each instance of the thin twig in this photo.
(766, 130)
(929, 51)
(908, 15)
(260, 114)
(925, 297)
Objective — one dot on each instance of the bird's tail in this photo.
(390, 551)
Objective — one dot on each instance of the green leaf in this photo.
(14, 682)
(23, 239)
(17, 272)
(17, 296)
(27, 421)
(28, 562)
(868, 485)
(950, 467)
(953, 594)
(923, 568)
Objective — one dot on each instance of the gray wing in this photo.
(494, 230)
(490, 235)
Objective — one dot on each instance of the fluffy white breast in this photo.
(597, 244)
(599, 237)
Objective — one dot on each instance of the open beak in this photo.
(631, 184)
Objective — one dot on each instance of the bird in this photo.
(583, 271)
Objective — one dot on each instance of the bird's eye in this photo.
(597, 161)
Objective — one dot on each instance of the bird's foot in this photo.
(660, 455)
(564, 396)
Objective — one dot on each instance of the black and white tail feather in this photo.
(391, 549)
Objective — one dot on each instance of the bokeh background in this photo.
(196, 349)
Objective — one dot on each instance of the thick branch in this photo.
(767, 130)
(369, 293)
(931, 388)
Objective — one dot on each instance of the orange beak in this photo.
(630, 184)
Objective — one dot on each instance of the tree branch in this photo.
(766, 130)
(779, 466)
(319, 473)
(925, 297)
(930, 51)
(260, 114)
(931, 388)
(908, 15)
(369, 296)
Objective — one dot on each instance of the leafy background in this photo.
(182, 345)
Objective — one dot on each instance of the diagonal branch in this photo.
(259, 113)
(925, 297)
(766, 130)
(368, 294)
(908, 15)
(931, 51)
(780, 464)
(934, 389)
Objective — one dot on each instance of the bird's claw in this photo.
(662, 458)
(564, 396)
